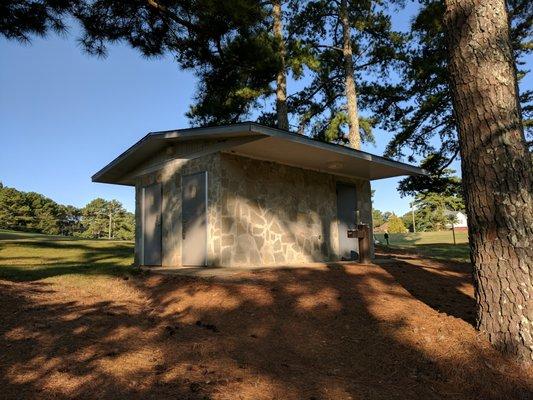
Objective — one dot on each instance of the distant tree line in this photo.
(430, 213)
(33, 212)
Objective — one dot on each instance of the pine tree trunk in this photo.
(281, 80)
(497, 171)
(351, 95)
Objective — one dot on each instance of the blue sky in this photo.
(64, 115)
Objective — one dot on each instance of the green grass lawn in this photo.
(14, 235)
(438, 245)
(29, 256)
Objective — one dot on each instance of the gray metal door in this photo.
(152, 224)
(194, 219)
(347, 216)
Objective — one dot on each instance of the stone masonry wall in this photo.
(259, 212)
(275, 214)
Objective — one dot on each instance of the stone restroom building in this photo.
(246, 195)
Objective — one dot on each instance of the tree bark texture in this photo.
(351, 95)
(281, 79)
(496, 169)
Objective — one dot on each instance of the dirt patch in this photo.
(398, 330)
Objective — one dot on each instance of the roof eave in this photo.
(412, 170)
(212, 132)
(244, 129)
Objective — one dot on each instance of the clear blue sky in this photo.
(64, 115)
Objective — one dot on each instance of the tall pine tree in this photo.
(497, 170)
(355, 47)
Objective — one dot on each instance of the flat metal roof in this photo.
(269, 144)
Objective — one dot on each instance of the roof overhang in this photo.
(264, 143)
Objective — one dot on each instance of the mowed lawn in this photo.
(30, 256)
(79, 322)
(437, 245)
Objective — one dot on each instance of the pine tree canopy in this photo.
(320, 108)
(401, 78)
(421, 112)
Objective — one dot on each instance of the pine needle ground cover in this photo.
(80, 324)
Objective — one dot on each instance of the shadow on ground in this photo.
(30, 260)
(329, 332)
(444, 286)
(437, 251)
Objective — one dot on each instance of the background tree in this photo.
(431, 210)
(102, 218)
(95, 219)
(124, 226)
(33, 212)
(395, 224)
(14, 209)
(407, 220)
(349, 59)
(377, 218)
(387, 215)
(354, 137)
(113, 210)
(242, 82)
(281, 78)
(20, 20)
(70, 220)
(497, 170)
(44, 214)
(444, 182)
(420, 109)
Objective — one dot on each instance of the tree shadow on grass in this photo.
(437, 251)
(333, 332)
(35, 273)
(29, 261)
(445, 251)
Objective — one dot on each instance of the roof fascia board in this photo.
(248, 129)
(123, 155)
(212, 131)
(189, 134)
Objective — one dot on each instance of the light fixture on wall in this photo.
(334, 165)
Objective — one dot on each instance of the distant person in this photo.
(386, 236)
